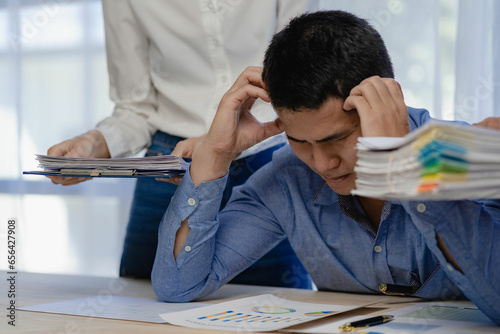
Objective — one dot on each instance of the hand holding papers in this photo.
(439, 161)
(153, 166)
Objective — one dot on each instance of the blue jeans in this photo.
(279, 267)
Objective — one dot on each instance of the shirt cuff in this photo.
(198, 204)
(124, 135)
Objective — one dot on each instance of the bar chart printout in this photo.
(254, 314)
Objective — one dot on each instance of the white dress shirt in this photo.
(170, 62)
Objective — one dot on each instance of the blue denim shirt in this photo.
(331, 236)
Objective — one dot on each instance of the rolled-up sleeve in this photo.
(183, 278)
(219, 245)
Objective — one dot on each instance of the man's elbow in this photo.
(168, 292)
(168, 297)
(175, 286)
(166, 286)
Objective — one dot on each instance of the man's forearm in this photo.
(185, 253)
(208, 165)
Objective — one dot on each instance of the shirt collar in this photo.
(324, 195)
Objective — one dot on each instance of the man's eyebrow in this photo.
(295, 139)
(334, 136)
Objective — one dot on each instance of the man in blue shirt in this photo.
(330, 78)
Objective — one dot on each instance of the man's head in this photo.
(309, 70)
(320, 55)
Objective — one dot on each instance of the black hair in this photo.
(320, 55)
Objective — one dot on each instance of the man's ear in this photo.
(400, 90)
(279, 123)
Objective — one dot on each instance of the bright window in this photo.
(420, 37)
(54, 84)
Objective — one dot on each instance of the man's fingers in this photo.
(490, 122)
(370, 120)
(250, 91)
(396, 93)
(251, 75)
(371, 93)
(181, 150)
(357, 102)
(379, 93)
(186, 147)
(381, 108)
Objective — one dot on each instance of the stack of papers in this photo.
(153, 166)
(438, 161)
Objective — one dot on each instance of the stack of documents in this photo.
(438, 161)
(153, 166)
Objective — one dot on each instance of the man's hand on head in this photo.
(234, 128)
(381, 107)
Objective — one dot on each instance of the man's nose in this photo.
(325, 160)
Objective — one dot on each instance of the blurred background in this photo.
(54, 85)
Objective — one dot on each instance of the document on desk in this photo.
(439, 318)
(428, 318)
(254, 314)
(114, 307)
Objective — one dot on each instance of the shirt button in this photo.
(187, 248)
(191, 201)
(421, 207)
(377, 249)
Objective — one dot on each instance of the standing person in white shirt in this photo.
(170, 62)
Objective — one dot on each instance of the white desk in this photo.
(32, 289)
